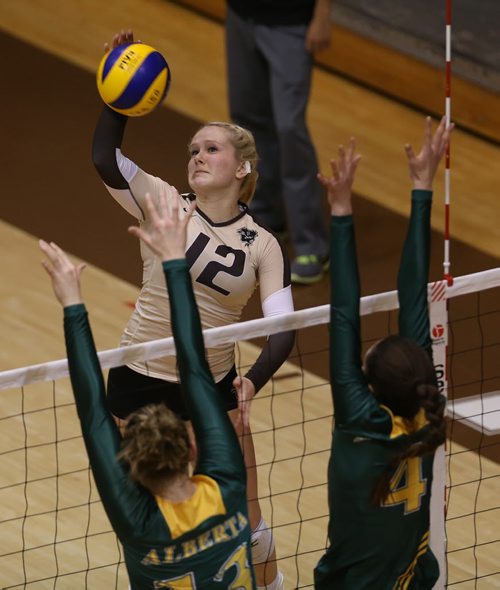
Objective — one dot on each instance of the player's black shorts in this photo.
(128, 391)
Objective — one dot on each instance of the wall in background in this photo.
(397, 47)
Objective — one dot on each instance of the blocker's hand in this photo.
(423, 166)
(166, 233)
(64, 274)
(339, 184)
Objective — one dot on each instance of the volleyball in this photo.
(133, 79)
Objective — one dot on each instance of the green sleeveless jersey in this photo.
(203, 542)
(376, 547)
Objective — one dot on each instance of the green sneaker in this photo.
(308, 269)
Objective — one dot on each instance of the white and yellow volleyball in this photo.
(133, 79)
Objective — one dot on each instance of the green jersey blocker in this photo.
(203, 542)
(376, 547)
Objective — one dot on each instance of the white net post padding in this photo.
(438, 316)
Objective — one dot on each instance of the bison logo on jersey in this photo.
(247, 235)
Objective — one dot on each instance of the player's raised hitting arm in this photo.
(124, 180)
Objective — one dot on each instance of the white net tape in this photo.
(242, 331)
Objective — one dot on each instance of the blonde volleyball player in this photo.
(389, 414)
(228, 254)
(177, 530)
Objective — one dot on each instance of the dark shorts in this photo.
(128, 391)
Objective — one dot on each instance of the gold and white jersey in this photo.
(227, 261)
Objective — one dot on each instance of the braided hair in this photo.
(402, 377)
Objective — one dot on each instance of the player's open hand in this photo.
(166, 231)
(424, 165)
(121, 38)
(64, 274)
(245, 390)
(339, 185)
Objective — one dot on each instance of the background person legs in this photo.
(269, 75)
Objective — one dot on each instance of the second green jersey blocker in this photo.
(376, 547)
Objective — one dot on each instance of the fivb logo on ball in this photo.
(129, 59)
(133, 79)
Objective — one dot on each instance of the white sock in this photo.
(262, 543)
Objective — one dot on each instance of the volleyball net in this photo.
(55, 534)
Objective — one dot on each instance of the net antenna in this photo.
(447, 174)
(438, 310)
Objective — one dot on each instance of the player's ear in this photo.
(243, 169)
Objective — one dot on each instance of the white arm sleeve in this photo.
(278, 303)
(125, 197)
(127, 168)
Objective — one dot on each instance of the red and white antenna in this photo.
(446, 263)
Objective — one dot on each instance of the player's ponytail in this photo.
(434, 406)
(402, 377)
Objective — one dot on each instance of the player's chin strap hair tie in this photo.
(248, 167)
